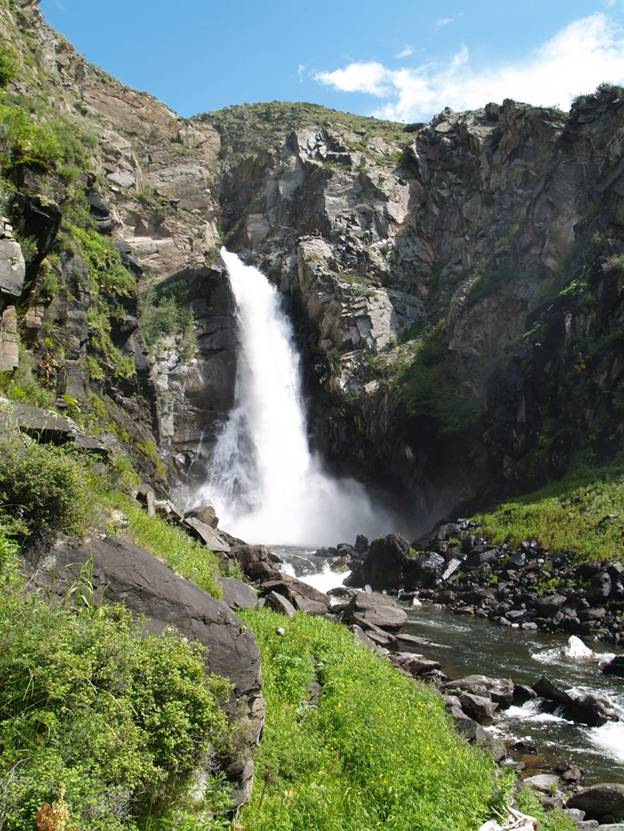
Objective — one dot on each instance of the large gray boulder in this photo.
(375, 608)
(122, 573)
(600, 801)
(237, 594)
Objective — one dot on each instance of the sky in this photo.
(399, 59)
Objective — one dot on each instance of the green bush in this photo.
(376, 752)
(110, 283)
(42, 486)
(166, 312)
(431, 386)
(8, 64)
(120, 719)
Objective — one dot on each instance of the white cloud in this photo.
(579, 57)
(444, 21)
(404, 53)
(301, 68)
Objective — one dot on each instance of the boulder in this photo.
(375, 608)
(303, 597)
(545, 688)
(238, 595)
(12, 268)
(478, 707)
(592, 709)
(205, 514)
(279, 603)
(500, 690)
(615, 667)
(544, 782)
(255, 561)
(205, 533)
(379, 636)
(383, 567)
(413, 663)
(598, 801)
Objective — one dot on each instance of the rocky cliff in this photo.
(457, 285)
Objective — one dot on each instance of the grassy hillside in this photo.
(376, 751)
(583, 511)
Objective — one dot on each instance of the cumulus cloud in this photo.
(580, 56)
(404, 53)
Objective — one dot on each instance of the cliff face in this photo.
(457, 286)
(459, 283)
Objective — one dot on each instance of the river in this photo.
(466, 645)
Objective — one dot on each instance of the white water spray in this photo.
(265, 483)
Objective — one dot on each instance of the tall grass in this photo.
(377, 750)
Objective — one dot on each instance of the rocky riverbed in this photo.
(539, 700)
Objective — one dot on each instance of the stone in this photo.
(205, 514)
(304, 598)
(205, 533)
(615, 667)
(237, 594)
(602, 800)
(500, 690)
(478, 707)
(378, 609)
(279, 603)
(255, 562)
(542, 782)
(122, 178)
(12, 268)
(384, 564)
(414, 664)
(9, 349)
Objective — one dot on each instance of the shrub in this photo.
(8, 64)
(377, 751)
(118, 719)
(431, 386)
(42, 486)
(166, 312)
(110, 284)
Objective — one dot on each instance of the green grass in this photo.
(549, 820)
(378, 752)
(583, 511)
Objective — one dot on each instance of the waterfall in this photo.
(265, 483)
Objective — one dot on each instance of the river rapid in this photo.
(466, 645)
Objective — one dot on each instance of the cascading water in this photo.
(265, 483)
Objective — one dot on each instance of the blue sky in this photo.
(402, 59)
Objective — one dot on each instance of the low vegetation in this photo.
(376, 751)
(101, 726)
(583, 511)
(549, 820)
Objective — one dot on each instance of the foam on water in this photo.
(609, 739)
